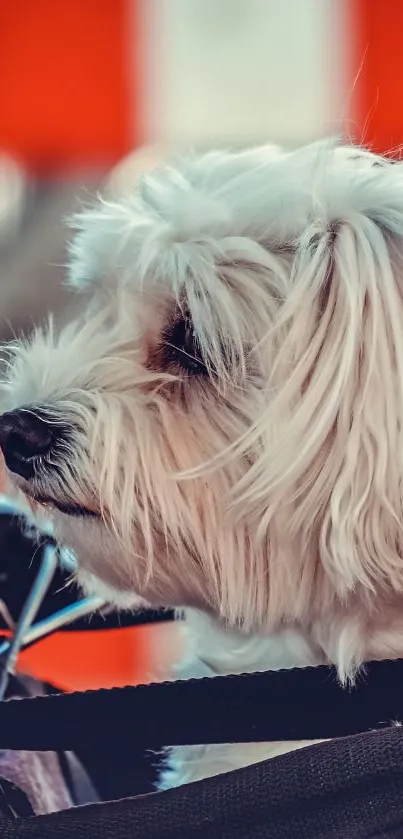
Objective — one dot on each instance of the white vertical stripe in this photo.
(236, 71)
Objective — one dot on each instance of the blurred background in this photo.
(93, 91)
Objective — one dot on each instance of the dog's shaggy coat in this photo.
(230, 409)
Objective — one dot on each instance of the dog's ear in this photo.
(327, 450)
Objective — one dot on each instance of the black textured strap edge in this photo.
(299, 704)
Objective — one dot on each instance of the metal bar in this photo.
(29, 610)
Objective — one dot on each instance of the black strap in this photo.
(285, 705)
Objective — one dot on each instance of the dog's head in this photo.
(223, 424)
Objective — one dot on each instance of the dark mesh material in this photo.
(346, 789)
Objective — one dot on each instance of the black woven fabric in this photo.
(346, 789)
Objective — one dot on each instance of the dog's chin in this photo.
(124, 601)
(108, 568)
(102, 569)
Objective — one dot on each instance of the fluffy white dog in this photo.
(222, 429)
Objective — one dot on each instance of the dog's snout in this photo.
(24, 436)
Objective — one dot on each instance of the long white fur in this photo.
(267, 496)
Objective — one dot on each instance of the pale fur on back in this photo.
(267, 493)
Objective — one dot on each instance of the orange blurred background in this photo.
(67, 97)
(84, 82)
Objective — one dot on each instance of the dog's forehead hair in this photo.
(186, 216)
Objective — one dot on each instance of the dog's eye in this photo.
(181, 346)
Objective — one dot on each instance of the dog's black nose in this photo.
(24, 436)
